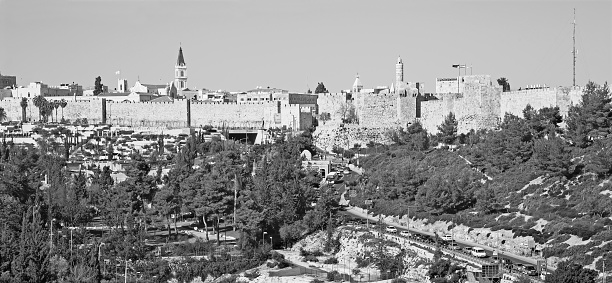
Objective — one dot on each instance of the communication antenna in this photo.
(574, 49)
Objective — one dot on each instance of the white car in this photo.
(405, 233)
(391, 229)
(447, 238)
(478, 252)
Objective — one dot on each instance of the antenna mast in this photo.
(574, 49)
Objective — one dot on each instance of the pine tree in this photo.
(32, 262)
(321, 88)
(448, 129)
(592, 117)
(98, 86)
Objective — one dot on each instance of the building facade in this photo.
(8, 81)
(38, 88)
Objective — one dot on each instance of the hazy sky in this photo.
(241, 44)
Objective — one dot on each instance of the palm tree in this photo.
(2, 114)
(38, 102)
(56, 104)
(63, 104)
(24, 105)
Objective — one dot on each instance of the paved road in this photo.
(514, 257)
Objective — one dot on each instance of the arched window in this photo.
(182, 74)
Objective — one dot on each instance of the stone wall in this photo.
(377, 110)
(331, 103)
(483, 107)
(515, 101)
(331, 134)
(174, 114)
(169, 114)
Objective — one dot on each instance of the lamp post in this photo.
(263, 237)
(270, 241)
(604, 270)
(51, 232)
(71, 242)
(100, 254)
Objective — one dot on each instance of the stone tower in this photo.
(122, 85)
(399, 73)
(180, 71)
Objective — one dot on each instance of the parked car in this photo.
(530, 270)
(405, 233)
(447, 238)
(518, 267)
(478, 252)
(391, 229)
(454, 246)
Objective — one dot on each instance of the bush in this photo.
(317, 253)
(399, 280)
(277, 256)
(311, 258)
(252, 275)
(316, 281)
(334, 276)
(361, 262)
(331, 260)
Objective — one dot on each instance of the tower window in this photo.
(182, 74)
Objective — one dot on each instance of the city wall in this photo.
(377, 110)
(515, 101)
(331, 103)
(175, 114)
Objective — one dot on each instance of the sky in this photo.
(237, 45)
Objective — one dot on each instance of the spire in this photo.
(357, 83)
(399, 60)
(180, 61)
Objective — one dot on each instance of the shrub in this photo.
(316, 281)
(304, 252)
(361, 262)
(252, 275)
(317, 253)
(311, 258)
(331, 260)
(399, 280)
(271, 264)
(277, 256)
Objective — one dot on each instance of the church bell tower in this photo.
(180, 71)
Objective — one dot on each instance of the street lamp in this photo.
(51, 227)
(270, 241)
(100, 255)
(263, 237)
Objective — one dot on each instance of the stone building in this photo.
(38, 88)
(8, 81)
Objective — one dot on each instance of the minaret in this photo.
(180, 71)
(399, 73)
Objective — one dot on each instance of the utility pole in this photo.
(409, 206)
(574, 49)
(604, 271)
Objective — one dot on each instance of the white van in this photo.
(478, 252)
